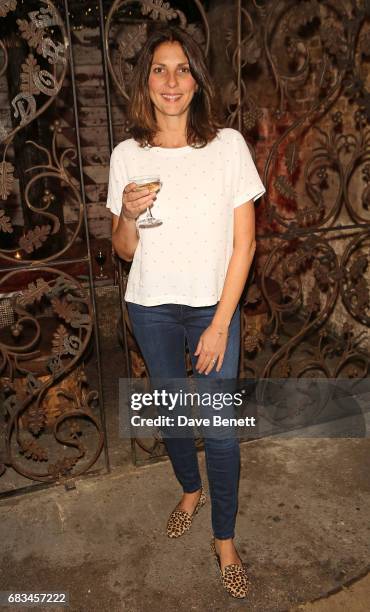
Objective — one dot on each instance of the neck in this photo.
(173, 143)
(171, 131)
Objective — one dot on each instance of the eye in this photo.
(185, 69)
(157, 69)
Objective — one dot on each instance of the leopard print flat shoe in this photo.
(180, 521)
(233, 577)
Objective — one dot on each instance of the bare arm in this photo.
(212, 343)
(239, 266)
(124, 237)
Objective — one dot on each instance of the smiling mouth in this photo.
(171, 97)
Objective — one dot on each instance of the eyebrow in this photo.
(159, 64)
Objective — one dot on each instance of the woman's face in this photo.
(171, 86)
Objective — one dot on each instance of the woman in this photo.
(187, 274)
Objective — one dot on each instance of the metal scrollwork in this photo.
(355, 288)
(51, 431)
(6, 6)
(38, 39)
(317, 175)
(51, 330)
(56, 169)
(36, 82)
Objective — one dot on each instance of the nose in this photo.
(172, 79)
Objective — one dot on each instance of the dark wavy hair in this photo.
(204, 119)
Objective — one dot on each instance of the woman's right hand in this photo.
(135, 202)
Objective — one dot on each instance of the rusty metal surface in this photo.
(294, 79)
(51, 428)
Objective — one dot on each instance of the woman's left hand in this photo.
(211, 349)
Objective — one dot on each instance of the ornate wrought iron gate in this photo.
(52, 419)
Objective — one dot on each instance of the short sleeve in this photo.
(247, 182)
(117, 181)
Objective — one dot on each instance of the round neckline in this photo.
(171, 150)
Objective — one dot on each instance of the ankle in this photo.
(224, 545)
(193, 493)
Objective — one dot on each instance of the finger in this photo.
(203, 361)
(210, 365)
(133, 212)
(130, 191)
(200, 363)
(203, 357)
(129, 201)
(136, 208)
(136, 196)
(142, 204)
(142, 209)
(199, 348)
(220, 362)
(145, 188)
(130, 187)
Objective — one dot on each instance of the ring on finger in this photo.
(213, 361)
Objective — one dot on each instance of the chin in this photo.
(175, 110)
(174, 113)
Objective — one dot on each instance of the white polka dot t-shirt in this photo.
(185, 260)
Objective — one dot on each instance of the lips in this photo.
(171, 97)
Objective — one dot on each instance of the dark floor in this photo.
(303, 530)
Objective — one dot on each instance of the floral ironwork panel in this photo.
(51, 428)
(35, 62)
(44, 389)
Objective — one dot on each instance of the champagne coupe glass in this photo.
(100, 257)
(153, 183)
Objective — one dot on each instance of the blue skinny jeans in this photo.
(160, 332)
